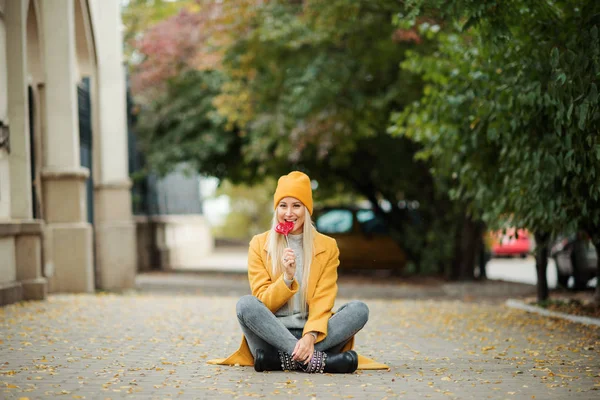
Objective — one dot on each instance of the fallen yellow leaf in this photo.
(563, 376)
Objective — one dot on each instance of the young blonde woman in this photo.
(288, 322)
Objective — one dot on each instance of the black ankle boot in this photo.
(267, 361)
(274, 361)
(341, 363)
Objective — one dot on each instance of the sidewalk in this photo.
(226, 269)
(153, 344)
(235, 283)
(223, 259)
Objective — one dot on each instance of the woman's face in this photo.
(291, 209)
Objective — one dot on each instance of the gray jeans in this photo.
(264, 331)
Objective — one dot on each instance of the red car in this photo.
(508, 244)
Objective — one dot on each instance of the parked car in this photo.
(362, 237)
(574, 256)
(510, 244)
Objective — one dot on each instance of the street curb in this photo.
(511, 303)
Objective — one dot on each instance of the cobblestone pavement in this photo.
(154, 345)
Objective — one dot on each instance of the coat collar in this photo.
(318, 263)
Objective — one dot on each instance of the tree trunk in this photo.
(483, 260)
(482, 256)
(579, 261)
(457, 259)
(594, 234)
(596, 243)
(467, 249)
(541, 265)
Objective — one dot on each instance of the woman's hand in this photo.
(289, 263)
(304, 349)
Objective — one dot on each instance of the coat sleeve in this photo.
(321, 305)
(273, 294)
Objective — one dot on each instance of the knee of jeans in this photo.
(244, 304)
(361, 311)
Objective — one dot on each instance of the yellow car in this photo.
(362, 237)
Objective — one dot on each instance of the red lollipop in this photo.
(284, 228)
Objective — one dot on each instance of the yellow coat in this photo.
(274, 293)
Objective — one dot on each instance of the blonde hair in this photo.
(275, 245)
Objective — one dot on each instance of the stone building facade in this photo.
(65, 203)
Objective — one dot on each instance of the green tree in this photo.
(183, 126)
(311, 85)
(307, 86)
(314, 86)
(140, 15)
(574, 96)
(497, 122)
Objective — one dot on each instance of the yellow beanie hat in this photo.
(295, 184)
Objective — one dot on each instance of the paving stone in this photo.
(147, 345)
